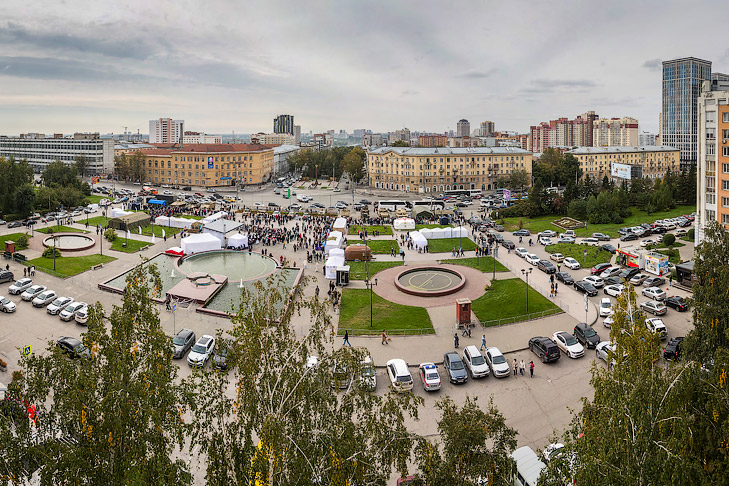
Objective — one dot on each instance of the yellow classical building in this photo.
(651, 161)
(426, 170)
(210, 165)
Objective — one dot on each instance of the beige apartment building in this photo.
(210, 165)
(615, 132)
(427, 170)
(653, 161)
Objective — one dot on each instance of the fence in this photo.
(524, 317)
(390, 332)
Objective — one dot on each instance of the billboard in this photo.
(507, 195)
(211, 161)
(620, 171)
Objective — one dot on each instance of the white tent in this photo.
(427, 233)
(437, 234)
(214, 217)
(447, 232)
(334, 240)
(404, 224)
(118, 212)
(174, 222)
(239, 240)
(200, 242)
(336, 252)
(330, 267)
(460, 232)
(418, 240)
(340, 224)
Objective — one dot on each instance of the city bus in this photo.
(393, 205)
(434, 204)
(463, 192)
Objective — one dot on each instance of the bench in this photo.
(97, 266)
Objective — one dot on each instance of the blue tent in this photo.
(157, 201)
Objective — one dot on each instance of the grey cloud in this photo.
(476, 74)
(50, 68)
(409, 92)
(544, 86)
(653, 64)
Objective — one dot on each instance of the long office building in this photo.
(427, 170)
(712, 194)
(651, 161)
(39, 152)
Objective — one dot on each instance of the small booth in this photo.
(685, 275)
(404, 224)
(357, 252)
(340, 225)
(331, 265)
(628, 257)
(129, 221)
(463, 312)
(651, 261)
(214, 217)
(656, 263)
(174, 251)
(238, 241)
(343, 276)
(9, 246)
(334, 240)
(118, 212)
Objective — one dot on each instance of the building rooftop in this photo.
(451, 151)
(206, 148)
(623, 150)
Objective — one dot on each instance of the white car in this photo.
(648, 242)
(202, 350)
(596, 281)
(557, 257)
(654, 293)
(657, 326)
(58, 305)
(543, 240)
(548, 233)
(532, 258)
(613, 290)
(81, 316)
(32, 292)
(67, 314)
(568, 344)
(429, 376)
(608, 322)
(475, 362)
(399, 374)
(497, 362)
(521, 252)
(571, 263)
(6, 304)
(589, 241)
(603, 348)
(606, 307)
(44, 298)
(20, 286)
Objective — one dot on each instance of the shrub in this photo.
(51, 252)
(669, 239)
(21, 242)
(691, 234)
(110, 234)
(17, 375)
(521, 223)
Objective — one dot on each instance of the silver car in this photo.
(32, 292)
(6, 304)
(654, 293)
(182, 343)
(68, 313)
(58, 305)
(20, 286)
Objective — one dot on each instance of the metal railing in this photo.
(390, 332)
(524, 317)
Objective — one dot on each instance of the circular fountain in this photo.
(430, 281)
(69, 242)
(236, 265)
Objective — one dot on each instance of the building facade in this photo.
(646, 139)
(615, 132)
(281, 156)
(560, 132)
(198, 137)
(654, 161)
(486, 129)
(273, 139)
(712, 191)
(434, 170)
(166, 130)
(463, 128)
(284, 124)
(682, 79)
(431, 141)
(210, 165)
(39, 152)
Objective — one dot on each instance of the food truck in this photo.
(651, 261)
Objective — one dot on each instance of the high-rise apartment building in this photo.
(682, 79)
(712, 165)
(646, 139)
(166, 130)
(463, 129)
(297, 134)
(615, 132)
(487, 129)
(560, 133)
(432, 140)
(284, 124)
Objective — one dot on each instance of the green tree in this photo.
(81, 165)
(120, 404)
(474, 444)
(353, 163)
(519, 179)
(24, 200)
(399, 143)
(285, 424)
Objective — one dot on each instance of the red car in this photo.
(598, 269)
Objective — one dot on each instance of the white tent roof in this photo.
(336, 252)
(238, 239)
(117, 212)
(404, 224)
(200, 242)
(427, 232)
(330, 267)
(418, 239)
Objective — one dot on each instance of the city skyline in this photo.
(74, 67)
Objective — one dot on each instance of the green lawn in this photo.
(94, 199)
(505, 302)
(132, 245)
(157, 230)
(677, 244)
(60, 229)
(357, 270)
(380, 247)
(95, 221)
(542, 223)
(448, 244)
(485, 264)
(384, 230)
(673, 257)
(69, 266)
(418, 227)
(190, 216)
(394, 318)
(594, 256)
(13, 237)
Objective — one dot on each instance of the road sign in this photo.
(586, 302)
(174, 306)
(26, 350)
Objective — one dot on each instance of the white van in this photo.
(528, 467)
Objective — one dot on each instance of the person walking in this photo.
(531, 368)
(516, 366)
(455, 339)
(670, 280)
(522, 367)
(483, 342)
(384, 337)
(346, 339)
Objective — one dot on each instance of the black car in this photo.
(498, 237)
(546, 266)
(609, 247)
(629, 273)
(182, 343)
(14, 224)
(521, 232)
(73, 348)
(658, 229)
(565, 278)
(613, 280)
(585, 288)
(586, 335)
(364, 202)
(676, 302)
(455, 367)
(544, 348)
(6, 276)
(498, 227)
(597, 269)
(673, 348)
(508, 244)
(220, 358)
(187, 188)
(629, 237)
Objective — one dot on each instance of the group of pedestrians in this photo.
(521, 367)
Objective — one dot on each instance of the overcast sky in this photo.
(227, 66)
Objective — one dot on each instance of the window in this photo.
(725, 133)
(725, 202)
(725, 168)
(725, 117)
(725, 151)
(711, 117)
(710, 148)
(725, 218)
(725, 185)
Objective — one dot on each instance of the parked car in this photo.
(601, 237)
(70, 310)
(614, 280)
(548, 233)
(599, 268)
(367, 374)
(7, 305)
(521, 252)
(654, 282)
(673, 348)
(521, 232)
(638, 279)
(586, 335)
(455, 368)
(475, 362)
(6, 276)
(610, 271)
(596, 281)
(532, 258)
(629, 273)
(429, 376)
(546, 266)
(400, 378)
(568, 344)
(20, 286)
(81, 316)
(654, 307)
(565, 239)
(657, 326)
(544, 240)
(654, 293)
(676, 302)
(609, 247)
(606, 306)
(58, 305)
(508, 244)
(585, 287)
(613, 290)
(182, 343)
(571, 263)
(497, 362)
(72, 347)
(565, 278)
(590, 241)
(14, 224)
(603, 348)
(32, 292)
(544, 348)
(557, 257)
(629, 237)
(341, 376)
(201, 351)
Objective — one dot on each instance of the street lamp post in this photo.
(526, 274)
(54, 253)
